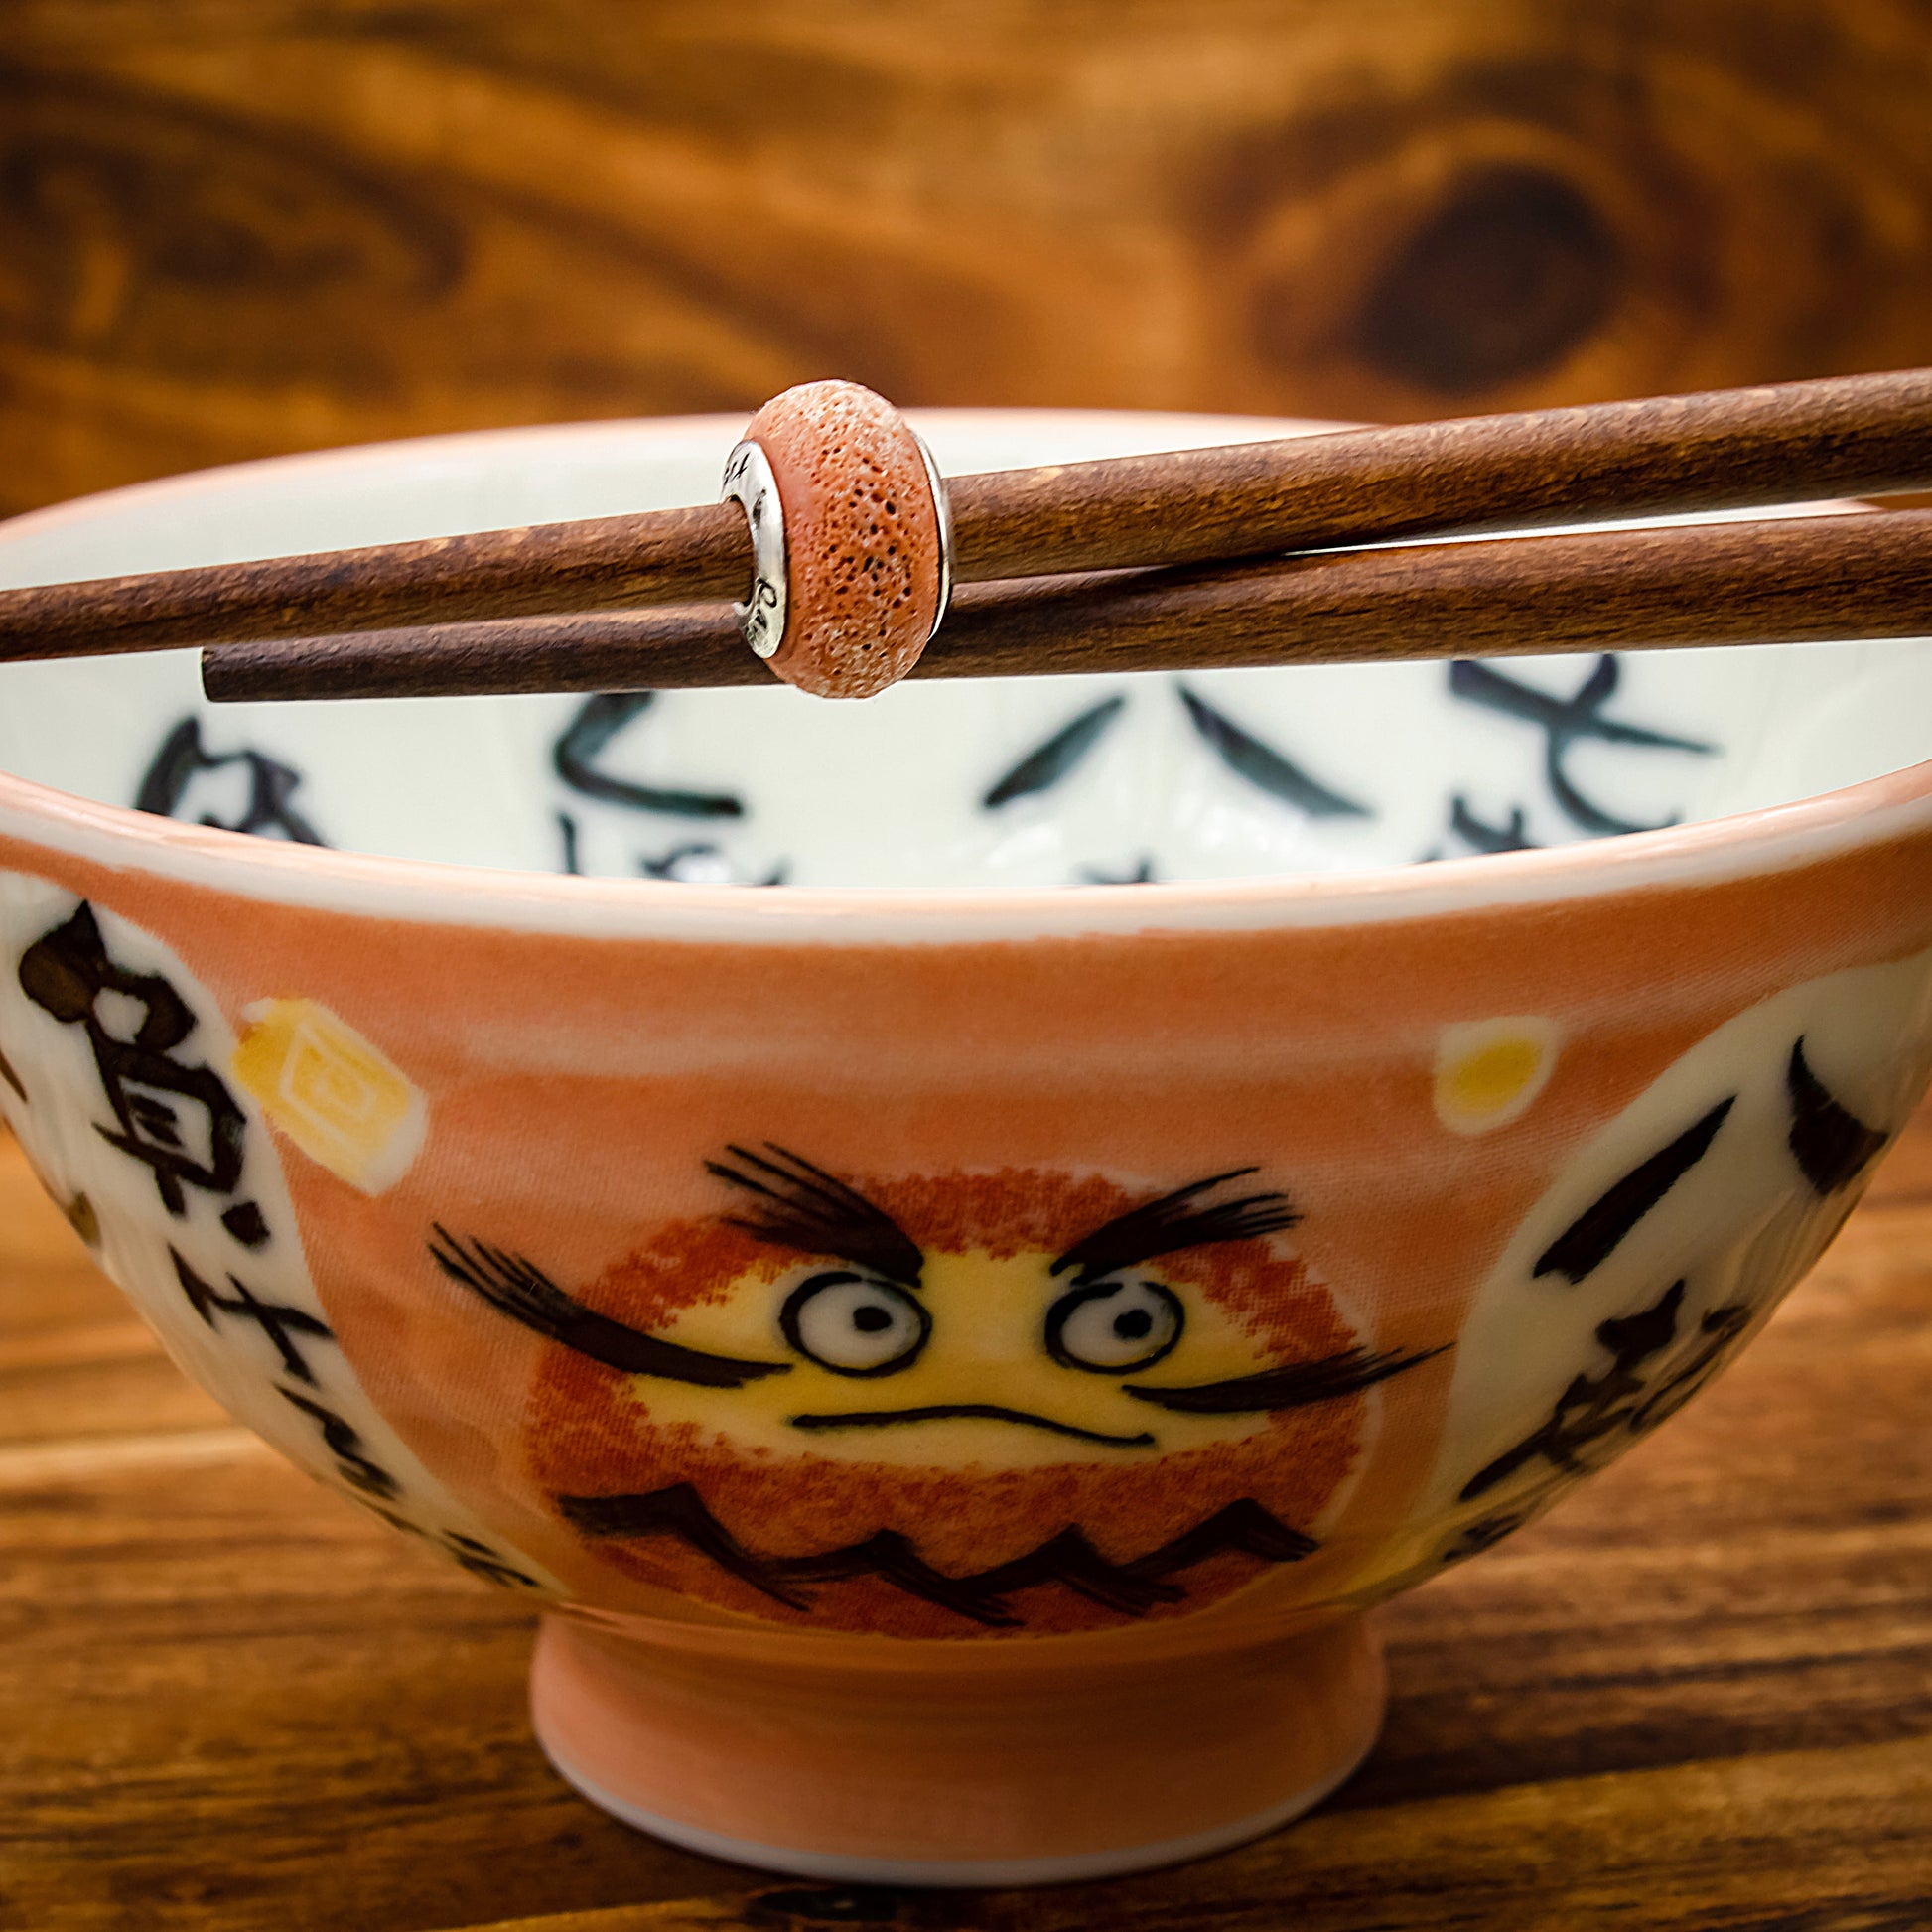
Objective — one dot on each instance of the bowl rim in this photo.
(424, 891)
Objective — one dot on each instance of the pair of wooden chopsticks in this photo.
(1137, 563)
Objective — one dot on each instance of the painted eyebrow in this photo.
(810, 1209)
(522, 1291)
(1176, 1221)
(1296, 1385)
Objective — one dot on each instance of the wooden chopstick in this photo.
(1780, 581)
(664, 557)
(1736, 449)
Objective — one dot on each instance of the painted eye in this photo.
(1113, 1326)
(852, 1325)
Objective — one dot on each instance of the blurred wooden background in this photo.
(230, 228)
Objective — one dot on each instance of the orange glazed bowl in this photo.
(954, 1246)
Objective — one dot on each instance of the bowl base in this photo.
(945, 1770)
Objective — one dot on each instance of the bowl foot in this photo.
(943, 1769)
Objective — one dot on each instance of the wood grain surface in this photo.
(1698, 1697)
(231, 227)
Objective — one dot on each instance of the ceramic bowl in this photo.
(958, 1257)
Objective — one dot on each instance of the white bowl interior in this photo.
(1010, 782)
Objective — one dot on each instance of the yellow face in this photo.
(989, 1360)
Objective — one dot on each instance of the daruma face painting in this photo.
(930, 1406)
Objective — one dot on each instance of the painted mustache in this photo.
(967, 1411)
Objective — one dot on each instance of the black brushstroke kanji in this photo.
(281, 1324)
(592, 728)
(1600, 1230)
(1566, 721)
(1647, 1381)
(271, 787)
(1262, 766)
(1831, 1145)
(1055, 761)
(180, 1120)
(344, 1440)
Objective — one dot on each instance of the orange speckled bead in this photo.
(865, 537)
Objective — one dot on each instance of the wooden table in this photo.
(1700, 1695)
(234, 227)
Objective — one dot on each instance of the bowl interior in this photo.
(1008, 784)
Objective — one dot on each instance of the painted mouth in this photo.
(980, 1411)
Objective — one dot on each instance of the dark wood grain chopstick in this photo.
(661, 557)
(1777, 581)
(1722, 449)
(1666, 456)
